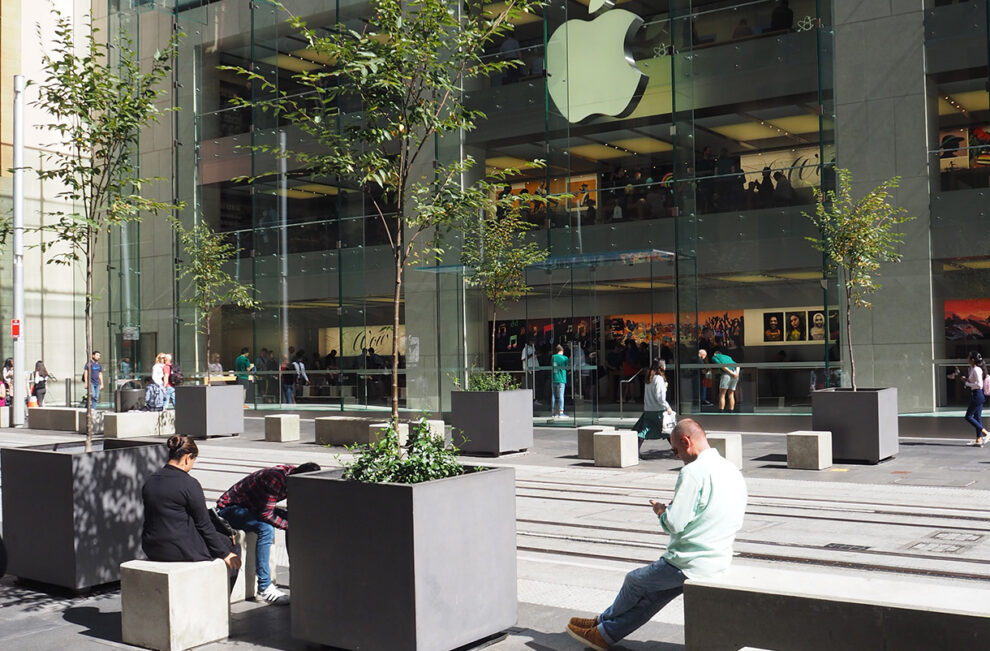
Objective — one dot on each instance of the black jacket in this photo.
(176, 524)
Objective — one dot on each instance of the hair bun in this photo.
(174, 442)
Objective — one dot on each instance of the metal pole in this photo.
(20, 390)
(283, 208)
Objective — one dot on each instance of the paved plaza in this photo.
(580, 528)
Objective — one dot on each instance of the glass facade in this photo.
(687, 136)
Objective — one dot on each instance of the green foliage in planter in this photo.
(500, 381)
(424, 458)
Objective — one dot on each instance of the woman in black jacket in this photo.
(176, 524)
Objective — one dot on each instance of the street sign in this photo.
(15, 327)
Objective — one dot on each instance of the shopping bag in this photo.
(669, 420)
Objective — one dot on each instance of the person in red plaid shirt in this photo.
(250, 505)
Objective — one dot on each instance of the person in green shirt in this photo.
(728, 381)
(560, 362)
(243, 365)
(702, 521)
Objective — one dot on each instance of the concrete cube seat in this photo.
(174, 606)
(616, 448)
(341, 430)
(377, 430)
(586, 439)
(729, 446)
(807, 450)
(282, 427)
(65, 419)
(132, 424)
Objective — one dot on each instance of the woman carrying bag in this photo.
(658, 419)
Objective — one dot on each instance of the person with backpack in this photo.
(979, 384)
(38, 382)
(288, 376)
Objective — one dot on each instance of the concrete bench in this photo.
(377, 430)
(617, 448)
(131, 424)
(341, 430)
(824, 610)
(246, 586)
(729, 446)
(586, 439)
(282, 427)
(173, 606)
(65, 419)
(809, 450)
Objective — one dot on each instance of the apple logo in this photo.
(591, 71)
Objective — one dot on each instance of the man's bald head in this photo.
(688, 440)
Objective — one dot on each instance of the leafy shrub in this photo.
(498, 381)
(424, 458)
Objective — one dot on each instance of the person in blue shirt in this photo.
(559, 363)
(93, 377)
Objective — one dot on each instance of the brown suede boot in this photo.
(588, 636)
(583, 622)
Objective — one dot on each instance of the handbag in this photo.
(669, 421)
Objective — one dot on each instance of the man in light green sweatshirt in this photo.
(702, 520)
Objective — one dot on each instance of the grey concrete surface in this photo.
(925, 514)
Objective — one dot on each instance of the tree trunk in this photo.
(493, 342)
(396, 302)
(88, 319)
(849, 342)
(207, 332)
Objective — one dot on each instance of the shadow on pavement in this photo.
(98, 624)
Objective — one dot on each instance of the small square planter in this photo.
(863, 422)
(493, 422)
(70, 518)
(204, 411)
(418, 567)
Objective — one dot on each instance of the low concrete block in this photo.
(132, 424)
(173, 606)
(65, 419)
(282, 427)
(5, 417)
(246, 586)
(729, 446)
(808, 450)
(341, 430)
(586, 439)
(616, 448)
(438, 429)
(377, 430)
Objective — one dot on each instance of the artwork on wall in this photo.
(350, 341)
(659, 329)
(967, 319)
(793, 325)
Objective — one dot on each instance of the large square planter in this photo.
(70, 518)
(403, 567)
(203, 411)
(863, 422)
(492, 422)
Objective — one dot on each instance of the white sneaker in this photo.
(273, 595)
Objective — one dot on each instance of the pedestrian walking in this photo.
(702, 521)
(559, 363)
(37, 382)
(288, 376)
(975, 382)
(655, 405)
(93, 377)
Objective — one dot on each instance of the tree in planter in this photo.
(856, 237)
(404, 73)
(206, 253)
(497, 248)
(99, 100)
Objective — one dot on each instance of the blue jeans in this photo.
(170, 397)
(557, 398)
(974, 415)
(644, 592)
(289, 394)
(94, 393)
(241, 518)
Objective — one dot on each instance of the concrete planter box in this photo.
(863, 422)
(204, 411)
(492, 421)
(63, 419)
(427, 567)
(70, 518)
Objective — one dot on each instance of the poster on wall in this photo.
(967, 319)
(351, 341)
(792, 325)
(659, 328)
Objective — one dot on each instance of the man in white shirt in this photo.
(702, 520)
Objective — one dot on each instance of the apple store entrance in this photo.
(610, 313)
